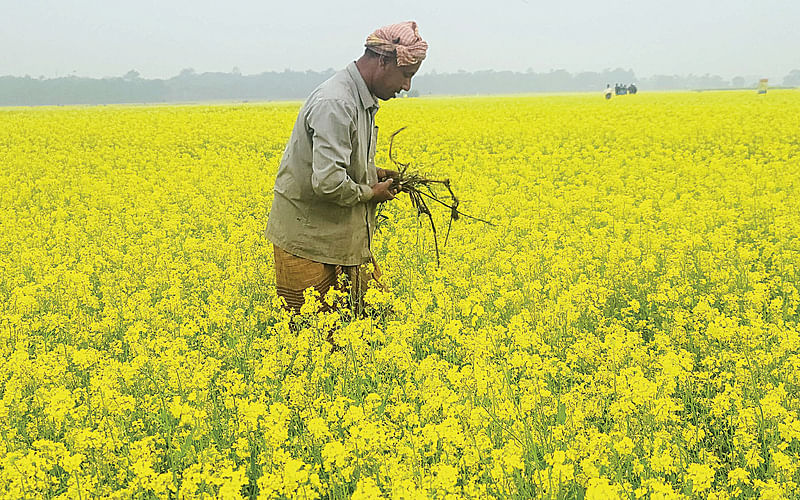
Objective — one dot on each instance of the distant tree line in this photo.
(190, 86)
(186, 86)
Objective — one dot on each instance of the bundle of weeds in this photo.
(421, 190)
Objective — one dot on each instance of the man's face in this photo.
(391, 78)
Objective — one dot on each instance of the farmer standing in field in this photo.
(327, 187)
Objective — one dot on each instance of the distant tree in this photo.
(556, 80)
(236, 71)
(131, 75)
(706, 81)
(187, 72)
(792, 79)
(737, 82)
(665, 82)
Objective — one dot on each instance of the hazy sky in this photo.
(160, 37)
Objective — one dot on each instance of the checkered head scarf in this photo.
(399, 40)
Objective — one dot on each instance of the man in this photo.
(327, 187)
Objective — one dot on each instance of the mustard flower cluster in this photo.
(627, 328)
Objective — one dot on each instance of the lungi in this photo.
(293, 275)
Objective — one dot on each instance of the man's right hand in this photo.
(383, 191)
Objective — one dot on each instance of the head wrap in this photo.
(399, 40)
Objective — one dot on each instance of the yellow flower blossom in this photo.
(626, 327)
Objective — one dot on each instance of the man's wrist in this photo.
(365, 193)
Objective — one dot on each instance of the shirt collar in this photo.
(368, 100)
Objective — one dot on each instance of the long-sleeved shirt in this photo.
(322, 208)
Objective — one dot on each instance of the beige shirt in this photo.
(322, 209)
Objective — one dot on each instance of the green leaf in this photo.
(561, 418)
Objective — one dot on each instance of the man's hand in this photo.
(383, 191)
(384, 173)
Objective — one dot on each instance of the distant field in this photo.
(628, 328)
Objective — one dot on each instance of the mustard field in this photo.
(626, 328)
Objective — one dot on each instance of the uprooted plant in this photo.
(420, 188)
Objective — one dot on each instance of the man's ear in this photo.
(386, 61)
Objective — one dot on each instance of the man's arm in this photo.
(331, 123)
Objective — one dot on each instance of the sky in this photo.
(159, 38)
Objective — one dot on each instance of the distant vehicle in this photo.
(620, 89)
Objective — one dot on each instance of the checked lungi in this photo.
(293, 275)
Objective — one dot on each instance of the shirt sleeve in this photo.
(331, 124)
